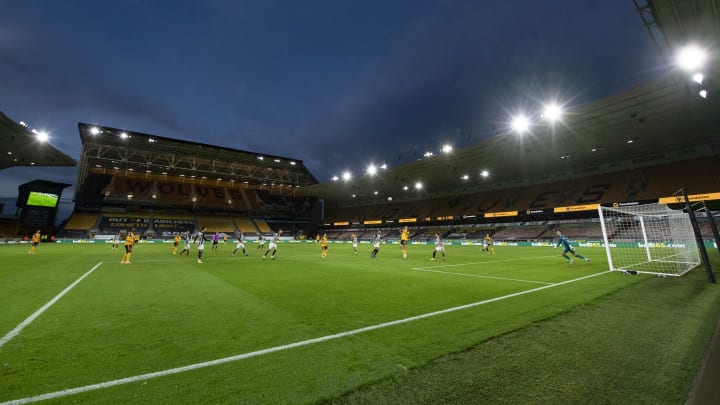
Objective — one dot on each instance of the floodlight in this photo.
(389, 198)
(375, 193)
(42, 136)
(23, 124)
(447, 148)
(353, 196)
(484, 173)
(260, 158)
(292, 163)
(630, 141)
(418, 186)
(520, 124)
(703, 93)
(123, 135)
(371, 169)
(130, 196)
(94, 130)
(276, 160)
(465, 177)
(383, 166)
(698, 78)
(691, 58)
(347, 176)
(552, 112)
(428, 154)
(335, 178)
(405, 188)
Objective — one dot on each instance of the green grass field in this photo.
(521, 326)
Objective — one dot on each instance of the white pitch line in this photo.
(486, 262)
(39, 312)
(478, 275)
(148, 376)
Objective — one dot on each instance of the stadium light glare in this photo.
(22, 123)
(372, 170)
(484, 173)
(630, 141)
(520, 124)
(353, 196)
(691, 58)
(292, 163)
(276, 160)
(405, 188)
(375, 193)
(552, 112)
(42, 136)
(124, 135)
(428, 154)
(260, 158)
(346, 176)
(698, 78)
(335, 178)
(95, 130)
(418, 186)
(447, 148)
(465, 177)
(390, 198)
(384, 166)
(703, 93)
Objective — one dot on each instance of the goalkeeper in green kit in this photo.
(568, 249)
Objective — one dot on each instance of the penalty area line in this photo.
(44, 308)
(479, 276)
(148, 376)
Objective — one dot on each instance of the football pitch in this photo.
(519, 326)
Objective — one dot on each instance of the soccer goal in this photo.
(649, 238)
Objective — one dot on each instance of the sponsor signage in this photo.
(693, 198)
(500, 214)
(341, 223)
(373, 222)
(407, 220)
(574, 208)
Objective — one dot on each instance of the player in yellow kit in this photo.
(129, 242)
(404, 237)
(35, 241)
(176, 242)
(488, 244)
(323, 245)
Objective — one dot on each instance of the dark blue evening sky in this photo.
(337, 84)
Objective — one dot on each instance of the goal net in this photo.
(649, 238)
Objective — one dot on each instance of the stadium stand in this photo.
(519, 232)
(161, 186)
(82, 221)
(245, 225)
(216, 223)
(263, 226)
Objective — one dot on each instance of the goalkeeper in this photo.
(568, 249)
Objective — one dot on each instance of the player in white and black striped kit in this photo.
(273, 244)
(439, 247)
(240, 245)
(186, 243)
(376, 245)
(200, 238)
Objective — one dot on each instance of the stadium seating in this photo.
(82, 221)
(519, 232)
(263, 226)
(217, 223)
(245, 225)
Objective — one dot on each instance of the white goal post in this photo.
(649, 238)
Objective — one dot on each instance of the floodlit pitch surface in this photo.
(303, 329)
